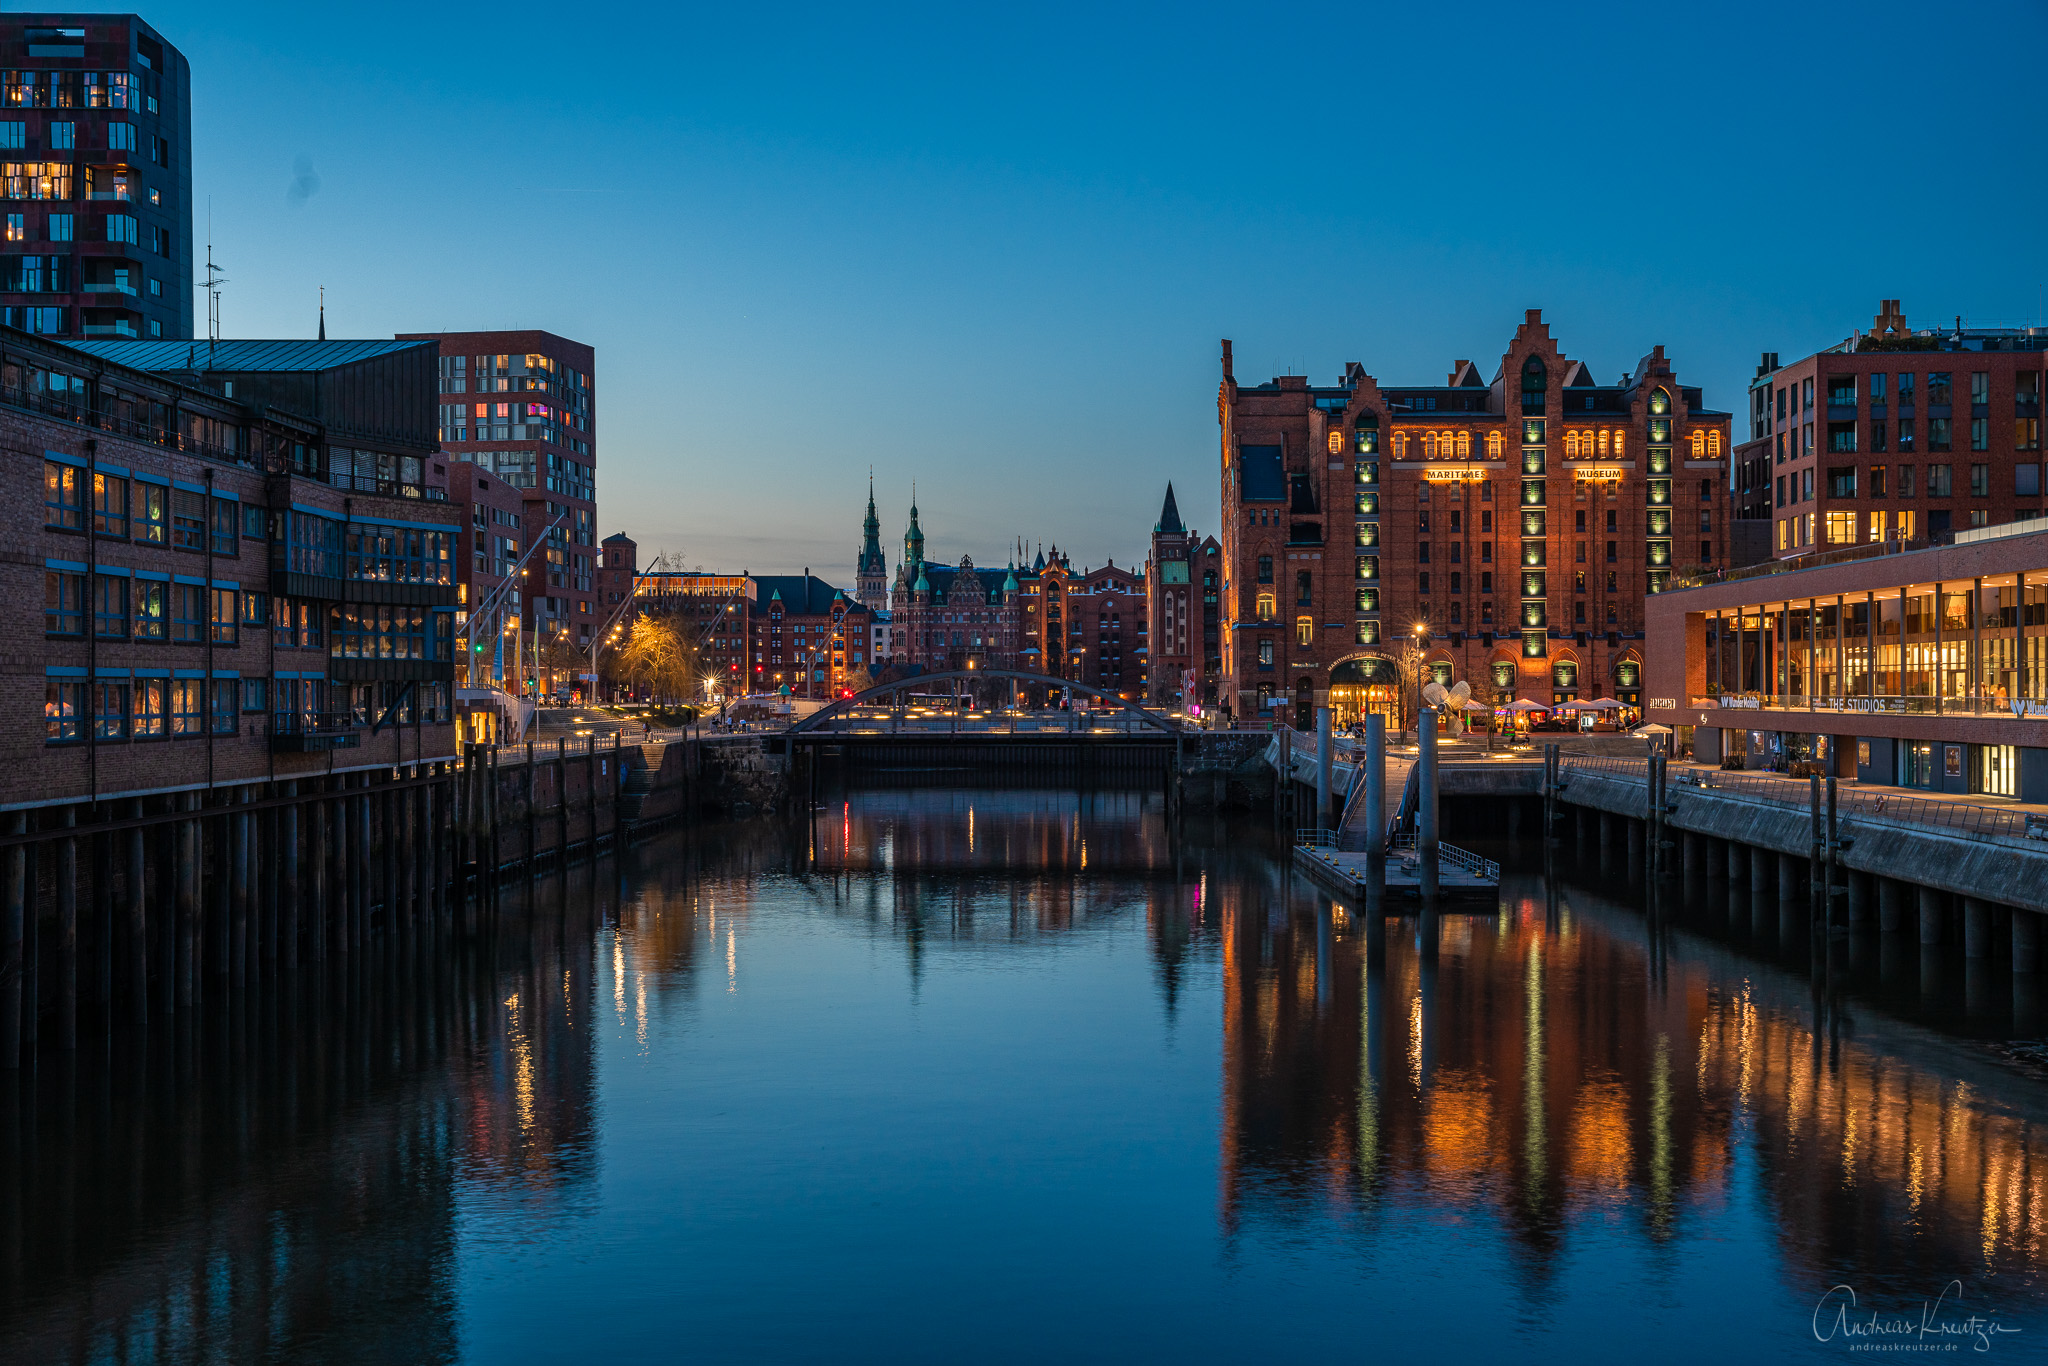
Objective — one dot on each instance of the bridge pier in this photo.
(2026, 942)
(1930, 916)
(1976, 928)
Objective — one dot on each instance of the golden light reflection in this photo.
(1656, 1099)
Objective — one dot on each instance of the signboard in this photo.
(1664, 703)
(1453, 474)
(588, 678)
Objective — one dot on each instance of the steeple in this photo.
(871, 567)
(1169, 516)
(913, 539)
(323, 313)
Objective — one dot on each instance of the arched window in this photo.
(1603, 443)
(1534, 382)
(1713, 445)
(1699, 444)
(1464, 445)
(1571, 445)
(1493, 446)
(1660, 402)
(1620, 443)
(1429, 445)
(1400, 445)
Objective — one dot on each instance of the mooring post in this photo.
(287, 912)
(1816, 856)
(67, 930)
(14, 903)
(1834, 889)
(1425, 812)
(138, 918)
(1376, 792)
(562, 802)
(187, 837)
(1323, 762)
(238, 892)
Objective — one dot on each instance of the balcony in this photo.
(313, 732)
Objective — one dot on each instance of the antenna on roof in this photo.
(323, 313)
(214, 280)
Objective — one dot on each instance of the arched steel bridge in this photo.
(821, 720)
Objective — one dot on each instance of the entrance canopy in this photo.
(1365, 671)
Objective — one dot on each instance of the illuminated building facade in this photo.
(1896, 434)
(1503, 531)
(1920, 667)
(1183, 583)
(523, 406)
(96, 136)
(763, 632)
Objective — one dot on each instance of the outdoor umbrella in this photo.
(1523, 704)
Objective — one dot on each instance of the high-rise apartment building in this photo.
(96, 178)
(1896, 434)
(1504, 531)
(523, 406)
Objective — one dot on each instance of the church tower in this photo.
(871, 568)
(913, 539)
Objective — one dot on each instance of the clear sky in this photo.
(992, 249)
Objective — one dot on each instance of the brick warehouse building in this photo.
(1183, 576)
(245, 574)
(96, 171)
(523, 405)
(1508, 530)
(1895, 435)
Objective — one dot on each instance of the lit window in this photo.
(1304, 631)
(1464, 445)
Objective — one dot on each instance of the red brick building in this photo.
(1507, 529)
(1106, 608)
(1896, 434)
(619, 562)
(96, 117)
(522, 405)
(233, 590)
(1183, 582)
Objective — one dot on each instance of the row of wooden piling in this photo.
(147, 907)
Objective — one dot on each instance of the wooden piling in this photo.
(14, 903)
(137, 958)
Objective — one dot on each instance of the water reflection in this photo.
(284, 1181)
(669, 1089)
(1566, 1066)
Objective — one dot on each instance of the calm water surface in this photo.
(1015, 1077)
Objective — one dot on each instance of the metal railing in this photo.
(1316, 839)
(1464, 858)
(1851, 802)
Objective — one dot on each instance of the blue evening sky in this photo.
(992, 249)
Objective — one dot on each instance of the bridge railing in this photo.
(1850, 802)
